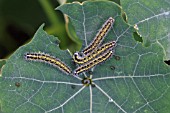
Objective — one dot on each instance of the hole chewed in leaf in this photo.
(137, 37)
(167, 62)
(124, 16)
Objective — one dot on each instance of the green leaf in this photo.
(34, 86)
(137, 37)
(135, 79)
(139, 82)
(152, 19)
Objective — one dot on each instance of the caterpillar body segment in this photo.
(100, 36)
(93, 63)
(83, 59)
(46, 58)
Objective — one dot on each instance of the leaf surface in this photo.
(135, 79)
(152, 20)
(28, 86)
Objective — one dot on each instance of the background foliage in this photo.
(20, 19)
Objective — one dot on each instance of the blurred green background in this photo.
(19, 20)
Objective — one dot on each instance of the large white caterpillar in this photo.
(83, 59)
(93, 62)
(46, 58)
(99, 37)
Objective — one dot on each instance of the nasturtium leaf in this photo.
(135, 79)
(36, 87)
(152, 19)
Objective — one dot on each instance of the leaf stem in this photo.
(50, 12)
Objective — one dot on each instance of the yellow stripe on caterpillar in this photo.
(46, 58)
(83, 59)
(93, 63)
(100, 36)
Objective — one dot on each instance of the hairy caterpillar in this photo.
(93, 62)
(83, 59)
(100, 36)
(42, 57)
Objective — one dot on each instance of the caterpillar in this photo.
(83, 59)
(93, 62)
(46, 58)
(99, 37)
